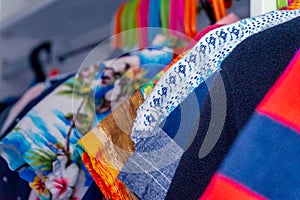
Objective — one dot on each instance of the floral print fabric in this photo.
(106, 148)
(42, 147)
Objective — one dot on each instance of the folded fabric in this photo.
(42, 147)
(247, 74)
(263, 162)
(200, 63)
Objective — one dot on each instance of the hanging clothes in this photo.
(203, 60)
(164, 94)
(265, 154)
(51, 84)
(92, 142)
(247, 74)
(30, 94)
(42, 147)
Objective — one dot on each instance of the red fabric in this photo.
(221, 188)
(288, 94)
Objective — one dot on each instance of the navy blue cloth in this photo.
(4, 103)
(4, 114)
(11, 185)
(93, 193)
(247, 73)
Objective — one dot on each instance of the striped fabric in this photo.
(264, 161)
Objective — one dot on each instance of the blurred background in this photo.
(73, 28)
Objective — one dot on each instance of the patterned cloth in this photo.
(246, 76)
(105, 149)
(263, 162)
(127, 175)
(90, 144)
(42, 147)
(202, 61)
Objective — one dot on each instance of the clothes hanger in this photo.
(208, 10)
(143, 13)
(172, 18)
(175, 17)
(190, 18)
(219, 9)
(193, 8)
(187, 18)
(154, 19)
(181, 14)
(117, 42)
(164, 15)
(281, 4)
(124, 24)
(35, 61)
(132, 23)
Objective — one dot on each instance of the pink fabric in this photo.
(173, 25)
(228, 19)
(30, 94)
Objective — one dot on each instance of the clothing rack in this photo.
(64, 56)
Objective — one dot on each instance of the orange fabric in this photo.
(223, 188)
(116, 190)
(287, 94)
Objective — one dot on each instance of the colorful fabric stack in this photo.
(263, 163)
